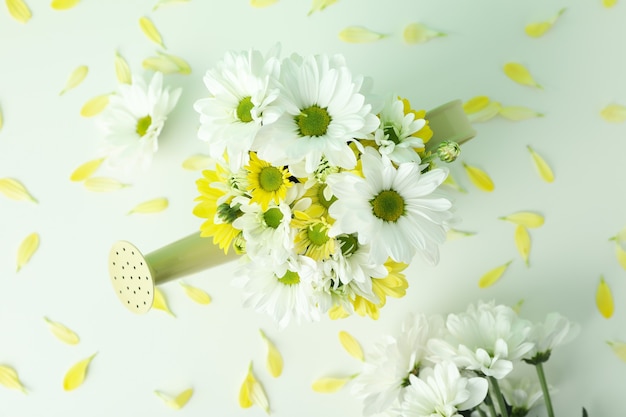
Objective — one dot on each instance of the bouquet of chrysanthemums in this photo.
(474, 364)
(326, 195)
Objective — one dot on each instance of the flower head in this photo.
(555, 330)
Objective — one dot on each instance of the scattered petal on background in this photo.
(151, 32)
(1, 119)
(522, 242)
(604, 299)
(620, 238)
(620, 254)
(160, 302)
(274, 361)
(86, 170)
(122, 70)
(517, 113)
(262, 3)
(76, 77)
(619, 348)
(19, 10)
(27, 249)
(544, 170)
(491, 110)
(103, 184)
(351, 345)
(415, 33)
(197, 162)
(10, 379)
(196, 294)
(609, 3)
(75, 376)
(15, 190)
(492, 276)
(479, 178)
(328, 385)
(167, 64)
(319, 5)
(520, 74)
(452, 183)
(454, 234)
(475, 104)
(614, 113)
(62, 333)
(63, 4)
(95, 105)
(155, 205)
(161, 3)
(252, 392)
(536, 30)
(359, 34)
(525, 218)
(177, 402)
(518, 306)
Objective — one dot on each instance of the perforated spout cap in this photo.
(131, 277)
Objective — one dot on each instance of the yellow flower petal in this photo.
(475, 104)
(454, 234)
(160, 302)
(319, 5)
(196, 294)
(536, 30)
(604, 299)
(15, 190)
(545, 172)
(520, 74)
(1, 119)
(62, 333)
(452, 183)
(492, 276)
(525, 218)
(518, 306)
(517, 113)
(167, 64)
(63, 4)
(151, 32)
(177, 402)
(252, 392)
(620, 254)
(337, 312)
(103, 185)
(86, 170)
(10, 379)
(155, 205)
(27, 249)
(491, 110)
(359, 34)
(351, 345)
(76, 77)
(609, 3)
(614, 113)
(415, 33)
(19, 10)
(479, 178)
(619, 348)
(167, 2)
(75, 376)
(274, 358)
(328, 385)
(262, 3)
(197, 162)
(95, 105)
(522, 242)
(122, 70)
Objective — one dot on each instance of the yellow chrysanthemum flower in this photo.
(312, 238)
(393, 285)
(266, 183)
(319, 202)
(425, 133)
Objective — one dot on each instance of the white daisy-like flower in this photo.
(392, 209)
(521, 394)
(394, 135)
(546, 335)
(242, 90)
(442, 391)
(133, 121)
(352, 262)
(324, 111)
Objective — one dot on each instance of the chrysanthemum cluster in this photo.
(328, 198)
(470, 363)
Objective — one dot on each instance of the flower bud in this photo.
(448, 151)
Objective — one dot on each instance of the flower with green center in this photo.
(267, 183)
(312, 238)
(392, 209)
(321, 199)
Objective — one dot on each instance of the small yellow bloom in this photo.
(267, 183)
(312, 238)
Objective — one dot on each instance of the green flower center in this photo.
(322, 199)
(313, 121)
(273, 217)
(270, 178)
(243, 109)
(143, 125)
(349, 244)
(317, 234)
(391, 132)
(388, 205)
(227, 213)
(290, 278)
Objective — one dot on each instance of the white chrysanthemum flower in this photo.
(324, 111)
(242, 90)
(394, 135)
(442, 391)
(521, 394)
(352, 262)
(554, 331)
(392, 209)
(133, 120)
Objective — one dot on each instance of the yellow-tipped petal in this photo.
(609, 3)
(359, 34)
(122, 70)
(196, 294)
(103, 184)
(517, 113)
(604, 299)
(167, 64)
(614, 113)
(454, 234)
(475, 104)
(27, 249)
(19, 10)
(75, 376)
(620, 254)
(492, 276)
(262, 3)
(167, 2)
(337, 312)
(491, 110)
(252, 392)
(520, 74)
(479, 178)
(415, 33)
(151, 32)
(525, 218)
(544, 170)
(76, 77)
(62, 333)
(274, 361)
(15, 190)
(328, 385)
(319, 5)
(177, 402)
(351, 345)
(156, 205)
(160, 302)
(63, 4)
(522, 242)
(95, 105)
(197, 162)
(536, 30)
(619, 348)
(86, 170)
(10, 379)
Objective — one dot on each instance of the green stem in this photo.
(544, 388)
(490, 405)
(496, 389)
(481, 412)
